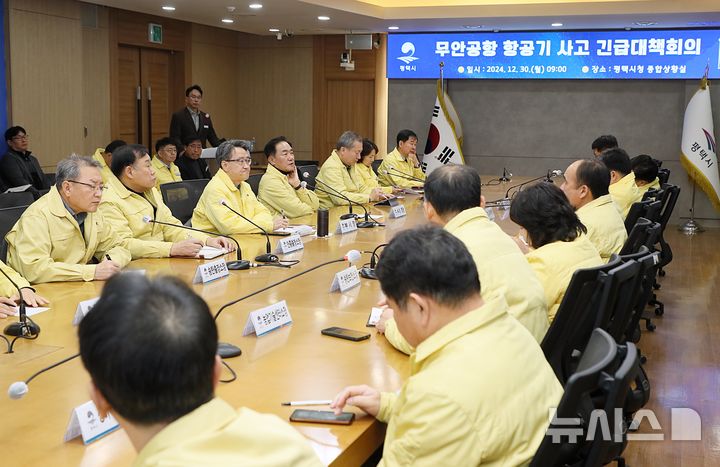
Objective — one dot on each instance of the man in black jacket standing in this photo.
(191, 122)
(18, 166)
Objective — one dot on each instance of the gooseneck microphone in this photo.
(368, 222)
(369, 273)
(547, 177)
(24, 327)
(232, 265)
(268, 256)
(19, 388)
(506, 176)
(403, 175)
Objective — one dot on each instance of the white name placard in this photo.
(346, 225)
(375, 315)
(83, 309)
(397, 211)
(210, 271)
(86, 421)
(289, 244)
(267, 319)
(490, 213)
(345, 280)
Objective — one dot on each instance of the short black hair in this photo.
(451, 189)
(269, 149)
(125, 156)
(368, 147)
(404, 135)
(192, 88)
(13, 131)
(149, 346)
(595, 175)
(616, 159)
(166, 141)
(645, 168)
(545, 213)
(429, 261)
(191, 139)
(114, 144)
(604, 142)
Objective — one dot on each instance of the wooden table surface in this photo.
(293, 363)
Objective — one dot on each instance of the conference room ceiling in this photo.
(363, 16)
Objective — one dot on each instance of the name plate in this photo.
(346, 225)
(267, 319)
(86, 421)
(375, 315)
(210, 271)
(345, 280)
(490, 213)
(290, 244)
(83, 309)
(397, 211)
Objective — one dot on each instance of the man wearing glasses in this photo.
(229, 186)
(59, 237)
(190, 165)
(193, 122)
(18, 166)
(166, 171)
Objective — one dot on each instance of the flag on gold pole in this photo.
(444, 141)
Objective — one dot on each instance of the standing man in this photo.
(191, 166)
(193, 122)
(19, 166)
(166, 171)
(280, 188)
(104, 158)
(586, 187)
(402, 161)
(60, 237)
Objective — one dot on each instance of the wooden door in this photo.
(128, 79)
(350, 106)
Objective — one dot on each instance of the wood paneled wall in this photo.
(96, 80)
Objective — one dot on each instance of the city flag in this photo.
(444, 141)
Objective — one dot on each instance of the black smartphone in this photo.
(348, 334)
(322, 416)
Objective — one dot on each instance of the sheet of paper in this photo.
(210, 252)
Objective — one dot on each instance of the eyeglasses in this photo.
(170, 149)
(95, 188)
(195, 96)
(20, 137)
(246, 161)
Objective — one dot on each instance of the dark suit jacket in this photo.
(191, 169)
(15, 171)
(182, 127)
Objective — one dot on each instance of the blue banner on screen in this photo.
(659, 54)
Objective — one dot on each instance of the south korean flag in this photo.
(443, 146)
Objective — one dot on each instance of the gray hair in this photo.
(347, 140)
(224, 151)
(69, 168)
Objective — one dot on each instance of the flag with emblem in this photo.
(698, 149)
(444, 141)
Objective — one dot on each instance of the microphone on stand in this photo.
(25, 327)
(369, 273)
(403, 175)
(268, 257)
(232, 265)
(552, 173)
(335, 192)
(506, 176)
(368, 222)
(18, 389)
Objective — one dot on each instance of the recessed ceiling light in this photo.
(556, 25)
(168, 8)
(274, 30)
(393, 28)
(255, 6)
(645, 23)
(324, 18)
(227, 20)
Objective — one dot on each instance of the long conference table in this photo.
(295, 362)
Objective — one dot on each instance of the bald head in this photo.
(585, 180)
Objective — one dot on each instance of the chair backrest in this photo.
(301, 162)
(594, 367)
(311, 171)
(376, 165)
(619, 299)
(672, 192)
(637, 210)
(654, 194)
(575, 319)
(182, 197)
(663, 175)
(649, 261)
(637, 238)
(8, 219)
(11, 200)
(652, 211)
(254, 182)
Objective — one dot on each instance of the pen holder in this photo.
(323, 219)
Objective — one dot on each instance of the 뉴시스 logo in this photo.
(408, 48)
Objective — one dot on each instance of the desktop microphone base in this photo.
(238, 265)
(226, 350)
(368, 273)
(367, 224)
(28, 329)
(349, 215)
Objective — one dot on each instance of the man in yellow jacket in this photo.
(228, 191)
(104, 158)
(623, 189)
(646, 173)
(132, 201)
(401, 167)
(339, 172)
(60, 235)
(9, 297)
(166, 150)
(586, 187)
(150, 347)
(453, 201)
(480, 389)
(280, 188)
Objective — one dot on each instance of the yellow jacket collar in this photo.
(56, 205)
(273, 172)
(336, 155)
(466, 216)
(123, 191)
(225, 178)
(601, 201)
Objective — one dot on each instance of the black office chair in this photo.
(376, 165)
(254, 182)
(300, 162)
(649, 209)
(182, 197)
(619, 297)
(50, 177)
(575, 320)
(8, 219)
(664, 176)
(311, 171)
(644, 233)
(672, 193)
(11, 200)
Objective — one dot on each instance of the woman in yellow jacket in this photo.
(364, 167)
